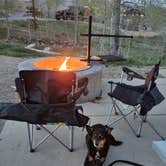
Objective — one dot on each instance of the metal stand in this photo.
(90, 35)
(30, 128)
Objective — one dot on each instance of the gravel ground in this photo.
(8, 72)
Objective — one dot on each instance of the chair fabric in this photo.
(46, 97)
(147, 95)
(128, 94)
(142, 97)
(134, 95)
(47, 87)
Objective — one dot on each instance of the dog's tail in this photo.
(125, 161)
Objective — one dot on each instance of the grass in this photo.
(143, 51)
(155, 16)
(140, 62)
(16, 50)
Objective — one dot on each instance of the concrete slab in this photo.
(160, 149)
(163, 72)
(14, 149)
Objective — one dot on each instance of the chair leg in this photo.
(30, 137)
(71, 138)
(115, 111)
(30, 128)
(145, 118)
(140, 126)
(109, 115)
(112, 108)
(124, 117)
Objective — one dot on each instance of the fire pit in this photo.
(82, 69)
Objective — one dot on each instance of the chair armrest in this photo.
(132, 74)
(112, 82)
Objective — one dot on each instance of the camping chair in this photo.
(142, 98)
(51, 95)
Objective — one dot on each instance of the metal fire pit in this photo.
(92, 72)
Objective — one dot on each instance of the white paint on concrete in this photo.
(160, 148)
(45, 51)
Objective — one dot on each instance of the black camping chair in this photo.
(51, 96)
(142, 98)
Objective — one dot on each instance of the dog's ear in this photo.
(89, 129)
(108, 129)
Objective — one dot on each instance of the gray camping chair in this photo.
(51, 96)
(141, 98)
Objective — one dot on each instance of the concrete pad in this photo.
(14, 148)
(163, 71)
(160, 149)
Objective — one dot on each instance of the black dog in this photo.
(98, 140)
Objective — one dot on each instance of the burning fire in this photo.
(61, 63)
(64, 64)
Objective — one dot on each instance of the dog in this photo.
(98, 140)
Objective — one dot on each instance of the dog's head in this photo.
(98, 134)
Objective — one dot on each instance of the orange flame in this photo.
(64, 66)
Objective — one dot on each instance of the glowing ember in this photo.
(64, 66)
(57, 63)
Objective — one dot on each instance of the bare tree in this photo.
(76, 22)
(8, 6)
(115, 26)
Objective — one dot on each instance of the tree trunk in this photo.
(76, 23)
(48, 11)
(115, 26)
(7, 18)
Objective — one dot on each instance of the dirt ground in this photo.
(8, 73)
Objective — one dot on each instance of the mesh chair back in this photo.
(152, 76)
(48, 87)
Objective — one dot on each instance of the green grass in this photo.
(155, 16)
(16, 50)
(140, 62)
(143, 51)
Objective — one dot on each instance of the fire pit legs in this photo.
(51, 133)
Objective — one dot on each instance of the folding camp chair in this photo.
(52, 96)
(141, 98)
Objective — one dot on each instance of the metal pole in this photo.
(106, 35)
(71, 138)
(89, 39)
(34, 15)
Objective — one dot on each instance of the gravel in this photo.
(8, 73)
